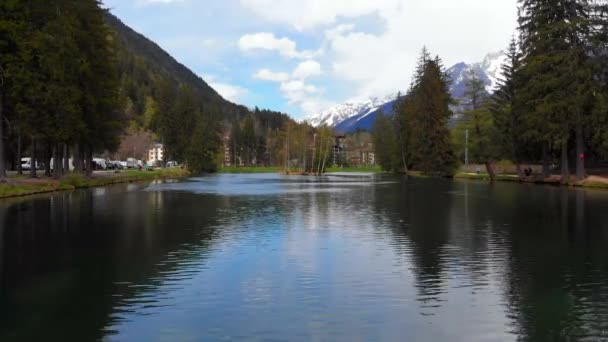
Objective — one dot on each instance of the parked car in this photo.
(100, 164)
(26, 164)
(123, 164)
(132, 163)
(52, 164)
(172, 164)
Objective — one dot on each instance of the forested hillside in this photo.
(143, 63)
(76, 82)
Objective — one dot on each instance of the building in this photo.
(156, 154)
(368, 158)
(227, 151)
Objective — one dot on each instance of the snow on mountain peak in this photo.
(489, 71)
(492, 66)
(339, 113)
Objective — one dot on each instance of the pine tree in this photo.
(480, 121)
(249, 140)
(235, 141)
(557, 73)
(506, 110)
(385, 142)
(400, 122)
(427, 105)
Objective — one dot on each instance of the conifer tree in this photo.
(480, 120)
(427, 105)
(506, 111)
(400, 123)
(385, 142)
(557, 73)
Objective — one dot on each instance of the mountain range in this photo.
(353, 116)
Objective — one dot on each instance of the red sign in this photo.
(582, 156)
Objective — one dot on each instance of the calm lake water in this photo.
(269, 257)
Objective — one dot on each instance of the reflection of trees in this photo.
(69, 258)
(545, 247)
(421, 229)
(556, 268)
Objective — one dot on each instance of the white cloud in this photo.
(155, 2)
(307, 69)
(267, 41)
(375, 63)
(306, 96)
(268, 75)
(307, 14)
(295, 90)
(228, 91)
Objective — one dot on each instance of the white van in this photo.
(26, 164)
(100, 164)
(132, 163)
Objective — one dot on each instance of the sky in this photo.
(302, 57)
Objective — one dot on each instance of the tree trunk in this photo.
(404, 163)
(2, 155)
(89, 160)
(78, 159)
(66, 159)
(324, 159)
(564, 158)
(19, 154)
(320, 157)
(580, 152)
(47, 160)
(520, 173)
(490, 170)
(56, 162)
(546, 169)
(33, 173)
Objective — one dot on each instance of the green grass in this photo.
(7, 190)
(593, 185)
(78, 181)
(261, 169)
(486, 177)
(374, 169)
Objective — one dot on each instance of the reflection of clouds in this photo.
(323, 259)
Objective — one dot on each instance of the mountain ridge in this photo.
(352, 116)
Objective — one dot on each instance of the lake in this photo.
(272, 258)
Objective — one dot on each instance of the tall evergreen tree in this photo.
(428, 107)
(400, 123)
(385, 143)
(506, 110)
(557, 73)
(480, 121)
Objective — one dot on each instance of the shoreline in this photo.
(23, 187)
(592, 182)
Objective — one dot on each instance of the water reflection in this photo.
(332, 258)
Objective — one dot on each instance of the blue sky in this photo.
(302, 57)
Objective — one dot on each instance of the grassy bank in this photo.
(20, 186)
(592, 182)
(373, 169)
(261, 169)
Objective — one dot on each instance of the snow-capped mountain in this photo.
(489, 71)
(351, 116)
(333, 116)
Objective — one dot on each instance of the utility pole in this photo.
(466, 148)
(314, 148)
